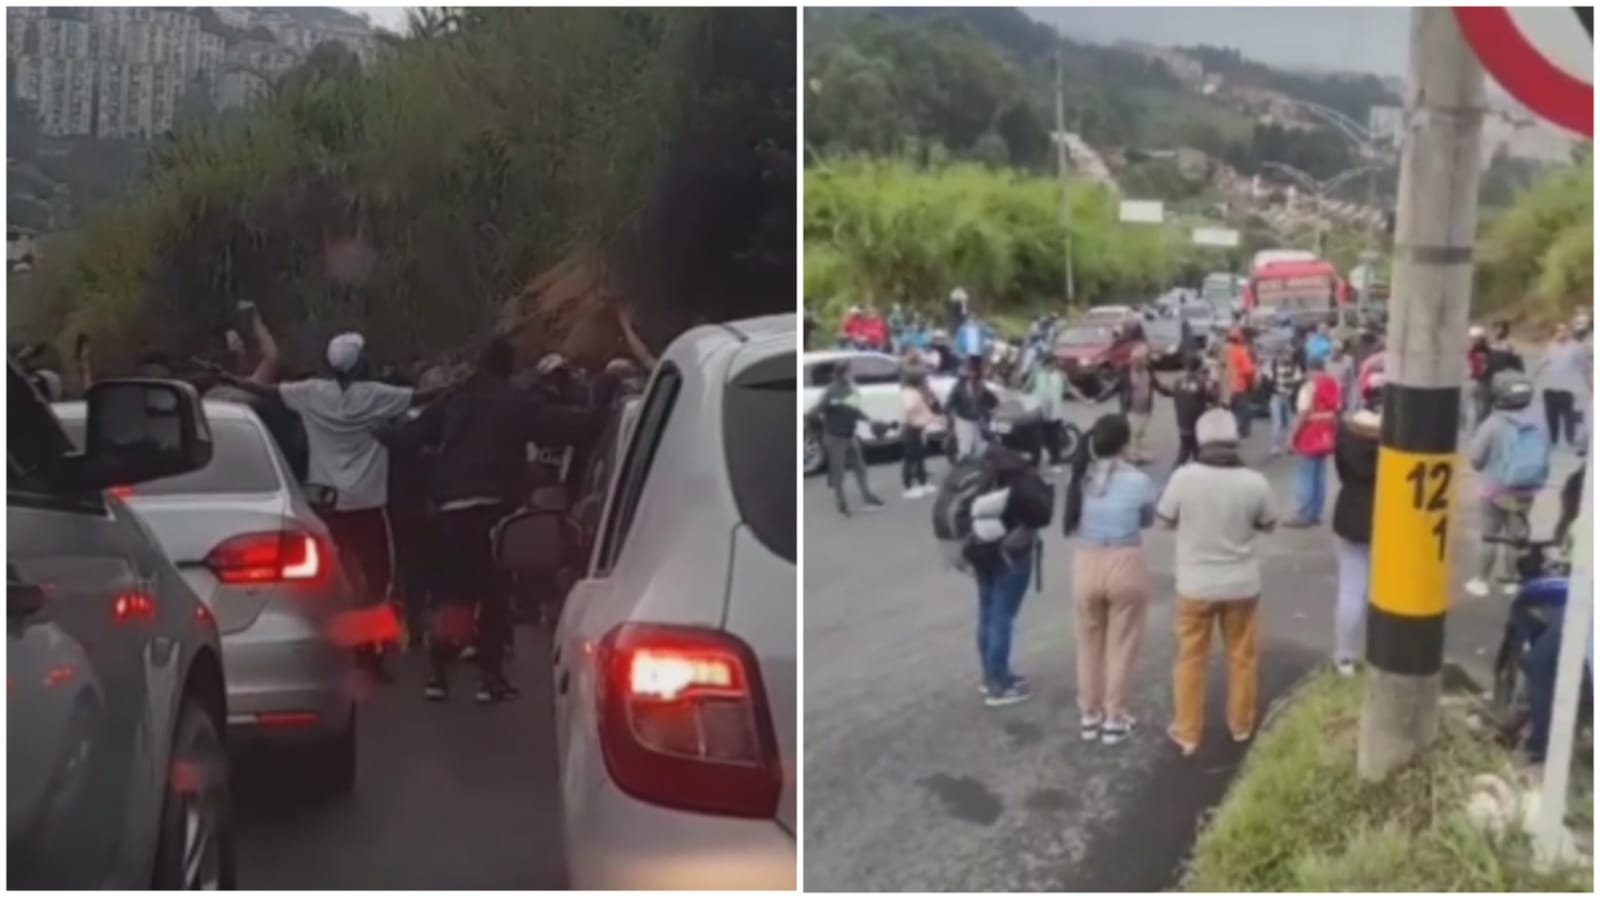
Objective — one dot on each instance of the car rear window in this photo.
(760, 436)
(240, 462)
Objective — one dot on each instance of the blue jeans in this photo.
(1282, 421)
(1000, 594)
(1311, 486)
(1350, 616)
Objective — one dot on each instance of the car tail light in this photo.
(269, 558)
(684, 721)
(121, 492)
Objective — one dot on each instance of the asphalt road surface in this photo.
(451, 796)
(911, 783)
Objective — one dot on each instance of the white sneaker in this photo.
(910, 493)
(1089, 726)
(1478, 587)
(1346, 668)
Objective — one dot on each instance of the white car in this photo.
(1109, 316)
(877, 378)
(674, 657)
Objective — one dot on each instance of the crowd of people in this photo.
(1324, 398)
(412, 480)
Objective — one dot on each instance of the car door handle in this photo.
(23, 599)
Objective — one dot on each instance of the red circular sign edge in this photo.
(1523, 71)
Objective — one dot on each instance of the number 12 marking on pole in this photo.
(1411, 532)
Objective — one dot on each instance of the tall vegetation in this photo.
(1536, 257)
(887, 231)
(413, 199)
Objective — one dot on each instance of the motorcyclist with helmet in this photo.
(1510, 451)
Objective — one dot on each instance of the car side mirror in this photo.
(142, 430)
(530, 542)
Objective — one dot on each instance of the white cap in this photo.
(344, 351)
(959, 294)
(1216, 426)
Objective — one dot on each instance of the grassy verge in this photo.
(1298, 818)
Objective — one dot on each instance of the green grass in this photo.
(1298, 818)
(1170, 117)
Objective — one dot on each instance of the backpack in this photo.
(1521, 456)
(984, 478)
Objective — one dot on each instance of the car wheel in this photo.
(815, 458)
(195, 846)
(334, 765)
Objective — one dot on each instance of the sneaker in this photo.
(1345, 667)
(1244, 737)
(874, 505)
(468, 653)
(1184, 747)
(1017, 692)
(435, 690)
(496, 691)
(1478, 587)
(911, 493)
(1089, 727)
(1113, 733)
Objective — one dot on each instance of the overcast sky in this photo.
(1351, 39)
(390, 17)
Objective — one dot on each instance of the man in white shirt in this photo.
(1565, 374)
(341, 415)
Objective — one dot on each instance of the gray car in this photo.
(245, 538)
(116, 772)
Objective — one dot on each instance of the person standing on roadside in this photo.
(1318, 344)
(921, 409)
(342, 414)
(480, 476)
(1109, 503)
(970, 405)
(1192, 394)
(1355, 457)
(1286, 375)
(1565, 373)
(1218, 508)
(1049, 385)
(1136, 395)
(1317, 407)
(1511, 453)
(1239, 372)
(839, 413)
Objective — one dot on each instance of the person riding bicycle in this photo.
(1511, 453)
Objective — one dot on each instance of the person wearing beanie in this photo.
(1218, 507)
(1355, 457)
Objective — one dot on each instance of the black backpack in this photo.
(1030, 501)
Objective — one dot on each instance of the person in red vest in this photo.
(1315, 431)
(852, 329)
(875, 329)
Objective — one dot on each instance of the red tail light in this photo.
(269, 558)
(121, 492)
(684, 721)
(133, 606)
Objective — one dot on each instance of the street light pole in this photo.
(1427, 339)
(1061, 172)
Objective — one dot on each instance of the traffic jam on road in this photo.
(1272, 382)
(169, 573)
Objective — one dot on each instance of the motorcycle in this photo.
(1540, 600)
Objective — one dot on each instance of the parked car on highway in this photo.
(1165, 336)
(116, 771)
(877, 378)
(1093, 356)
(246, 540)
(674, 658)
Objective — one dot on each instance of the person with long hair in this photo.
(1355, 456)
(920, 409)
(1109, 503)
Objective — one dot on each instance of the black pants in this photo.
(1560, 408)
(1188, 449)
(471, 582)
(914, 464)
(366, 541)
(1055, 434)
(1243, 413)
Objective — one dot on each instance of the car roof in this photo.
(223, 409)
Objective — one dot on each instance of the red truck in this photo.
(1307, 291)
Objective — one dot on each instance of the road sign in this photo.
(1215, 237)
(1142, 212)
(1543, 56)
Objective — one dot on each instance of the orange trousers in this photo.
(1237, 619)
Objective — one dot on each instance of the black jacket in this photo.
(971, 400)
(1192, 395)
(836, 412)
(1355, 457)
(482, 431)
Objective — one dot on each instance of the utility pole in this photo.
(1061, 172)
(1427, 341)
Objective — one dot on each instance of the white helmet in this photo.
(552, 362)
(959, 294)
(1476, 332)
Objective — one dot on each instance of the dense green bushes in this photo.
(412, 200)
(885, 231)
(1536, 258)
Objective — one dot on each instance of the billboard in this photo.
(1215, 237)
(1142, 212)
